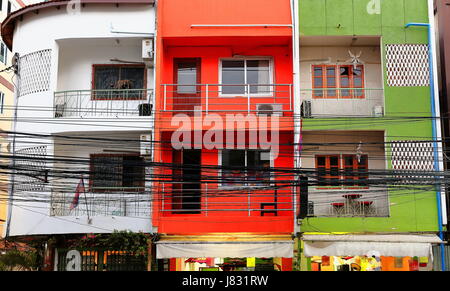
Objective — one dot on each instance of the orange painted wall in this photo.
(179, 15)
(230, 221)
(177, 39)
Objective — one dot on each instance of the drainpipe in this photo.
(296, 97)
(436, 126)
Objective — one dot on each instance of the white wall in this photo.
(76, 58)
(34, 217)
(78, 41)
(373, 79)
(39, 31)
(66, 36)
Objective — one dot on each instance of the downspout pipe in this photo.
(434, 131)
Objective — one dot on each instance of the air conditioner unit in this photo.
(378, 111)
(270, 109)
(147, 49)
(146, 145)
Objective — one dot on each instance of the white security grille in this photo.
(31, 168)
(34, 72)
(407, 65)
(411, 157)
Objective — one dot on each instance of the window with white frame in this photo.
(245, 168)
(255, 72)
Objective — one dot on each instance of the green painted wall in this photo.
(410, 211)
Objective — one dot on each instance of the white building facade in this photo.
(84, 117)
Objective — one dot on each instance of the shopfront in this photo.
(224, 254)
(368, 252)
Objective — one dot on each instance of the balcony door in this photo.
(187, 91)
(186, 194)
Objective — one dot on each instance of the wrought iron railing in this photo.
(103, 103)
(348, 202)
(125, 202)
(103, 260)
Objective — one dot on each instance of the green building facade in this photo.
(395, 133)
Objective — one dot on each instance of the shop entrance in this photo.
(225, 264)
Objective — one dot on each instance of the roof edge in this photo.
(8, 25)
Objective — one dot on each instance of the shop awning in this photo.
(360, 245)
(190, 249)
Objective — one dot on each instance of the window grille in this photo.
(407, 65)
(34, 72)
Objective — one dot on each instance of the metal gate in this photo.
(104, 261)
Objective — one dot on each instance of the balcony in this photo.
(212, 200)
(103, 103)
(267, 99)
(354, 102)
(348, 180)
(118, 203)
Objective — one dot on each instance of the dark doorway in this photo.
(186, 193)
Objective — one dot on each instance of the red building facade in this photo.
(225, 126)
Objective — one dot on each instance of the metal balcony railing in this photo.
(103, 103)
(342, 102)
(268, 99)
(121, 202)
(348, 201)
(261, 199)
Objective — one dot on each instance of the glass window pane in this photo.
(331, 72)
(106, 172)
(348, 161)
(234, 159)
(318, 72)
(331, 82)
(132, 78)
(258, 164)
(334, 161)
(318, 82)
(187, 78)
(344, 71)
(357, 71)
(233, 73)
(321, 161)
(106, 77)
(258, 72)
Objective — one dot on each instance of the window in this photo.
(119, 81)
(328, 170)
(2, 102)
(3, 53)
(187, 75)
(237, 73)
(110, 173)
(245, 167)
(345, 170)
(338, 81)
(355, 168)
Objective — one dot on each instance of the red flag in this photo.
(76, 199)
